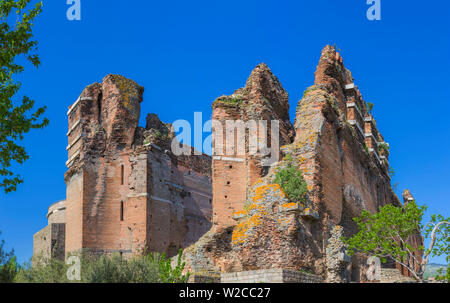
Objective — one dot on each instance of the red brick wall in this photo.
(74, 213)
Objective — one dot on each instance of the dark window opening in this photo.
(121, 174)
(121, 210)
(231, 166)
(228, 182)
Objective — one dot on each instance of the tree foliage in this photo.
(388, 234)
(438, 231)
(168, 274)
(16, 118)
(8, 265)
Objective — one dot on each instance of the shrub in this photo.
(391, 172)
(116, 269)
(292, 182)
(369, 107)
(167, 274)
(383, 147)
(8, 265)
(151, 268)
(52, 271)
(228, 101)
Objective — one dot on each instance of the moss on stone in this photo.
(227, 102)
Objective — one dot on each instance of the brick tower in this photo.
(262, 99)
(126, 192)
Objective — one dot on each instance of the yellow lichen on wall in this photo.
(289, 205)
(262, 191)
(256, 209)
(240, 231)
(128, 89)
(239, 213)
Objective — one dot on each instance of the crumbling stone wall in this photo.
(336, 257)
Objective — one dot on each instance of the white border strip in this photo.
(353, 104)
(218, 158)
(74, 141)
(350, 86)
(72, 107)
(354, 122)
(72, 158)
(74, 126)
(77, 102)
(368, 135)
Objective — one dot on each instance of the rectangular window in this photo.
(121, 210)
(121, 174)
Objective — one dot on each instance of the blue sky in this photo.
(187, 53)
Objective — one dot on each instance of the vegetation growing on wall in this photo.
(227, 101)
(369, 107)
(291, 181)
(383, 147)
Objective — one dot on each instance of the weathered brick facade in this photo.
(262, 99)
(343, 159)
(126, 192)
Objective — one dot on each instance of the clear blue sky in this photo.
(187, 53)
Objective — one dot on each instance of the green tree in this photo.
(8, 265)
(387, 234)
(16, 118)
(438, 231)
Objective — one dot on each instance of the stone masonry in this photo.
(270, 276)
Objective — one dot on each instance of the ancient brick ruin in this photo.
(343, 158)
(128, 193)
(263, 98)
